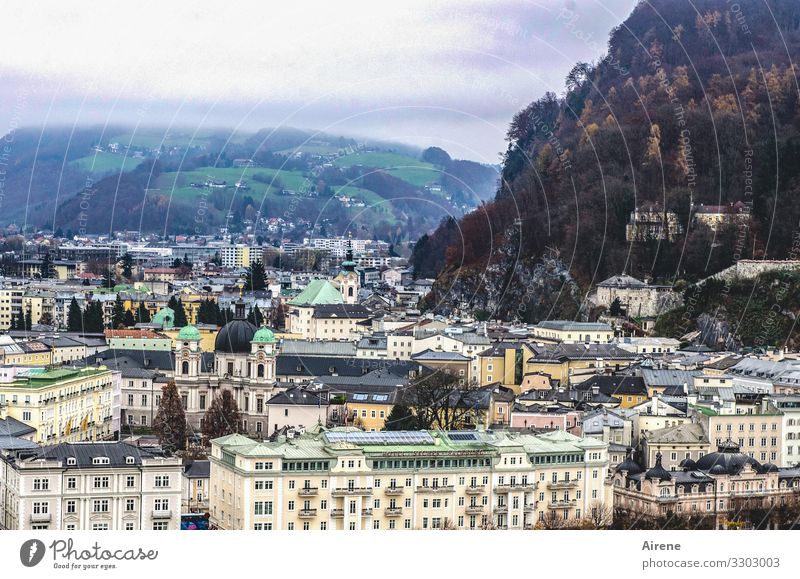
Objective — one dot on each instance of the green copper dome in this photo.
(189, 333)
(264, 336)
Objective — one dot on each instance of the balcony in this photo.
(562, 484)
(529, 526)
(517, 488)
(307, 513)
(393, 511)
(352, 491)
(40, 517)
(562, 504)
(528, 507)
(394, 491)
(476, 490)
(162, 514)
(366, 512)
(337, 513)
(308, 491)
(474, 509)
(500, 509)
(442, 489)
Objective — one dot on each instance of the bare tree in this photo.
(442, 400)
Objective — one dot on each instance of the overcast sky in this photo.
(449, 73)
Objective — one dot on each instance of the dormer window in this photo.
(71, 461)
(129, 460)
(101, 460)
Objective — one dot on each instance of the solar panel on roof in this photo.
(462, 436)
(400, 437)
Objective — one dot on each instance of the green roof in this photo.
(189, 333)
(703, 410)
(165, 317)
(318, 292)
(263, 336)
(48, 377)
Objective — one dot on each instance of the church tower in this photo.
(347, 281)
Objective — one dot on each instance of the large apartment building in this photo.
(89, 487)
(347, 479)
(63, 405)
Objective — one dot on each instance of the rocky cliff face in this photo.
(510, 287)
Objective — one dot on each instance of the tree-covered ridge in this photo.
(693, 104)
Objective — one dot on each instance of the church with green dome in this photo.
(243, 362)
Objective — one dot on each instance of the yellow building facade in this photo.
(63, 405)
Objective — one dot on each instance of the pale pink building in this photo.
(552, 417)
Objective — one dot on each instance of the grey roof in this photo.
(85, 452)
(668, 377)
(319, 348)
(567, 325)
(198, 469)
(434, 355)
(622, 280)
(13, 427)
(355, 311)
(296, 397)
(372, 343)
(579, 351)
(15, 443)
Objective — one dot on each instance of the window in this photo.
(130, 527)
(41, 484)
(101, 482)
(100, 506)
(160, 526)
(72, 483)
(161, 505)
(130, 481)
(71, 507)
(101, 526)
(130, 505)
(41, 508)
(162, 480)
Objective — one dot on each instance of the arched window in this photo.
(665, 492)
(185, 367)
(350, 291)
(260, 371)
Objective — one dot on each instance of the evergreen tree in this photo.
(27, 322)
(180, 314)
(109, 279)
(615, 308)
(222, 417)
(224, 316)
(255, 317)
(127, 266)
(129, 320)
(118, 319)
(279, 315)
(142, 314)
(255, 279)
(47, 266)
(15, 322)
(74, 317)
(401, 418)
(93, 317)
(170, 421)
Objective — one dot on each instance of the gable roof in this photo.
(318, 292)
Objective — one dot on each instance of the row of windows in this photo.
(729, 427)
(432, 463)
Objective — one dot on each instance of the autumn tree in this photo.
(222, 417)
(170, 421)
